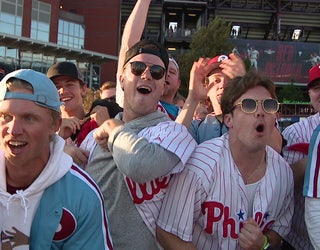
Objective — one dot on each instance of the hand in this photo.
(79, 156)
(200, 69)
(100, 114)
(69, 126)
(251, 236)
(233, 67)
(101, 135)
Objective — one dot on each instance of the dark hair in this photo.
(148, 47)
(239, 85)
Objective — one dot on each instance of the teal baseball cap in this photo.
(44, 94)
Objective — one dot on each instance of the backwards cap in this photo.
(147, 47)
(314, 74)
(44, 94)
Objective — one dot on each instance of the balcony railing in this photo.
(296, 109)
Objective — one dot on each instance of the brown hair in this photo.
(108, 85)
(239, 85)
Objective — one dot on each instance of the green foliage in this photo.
(291, 94)
(208, 41)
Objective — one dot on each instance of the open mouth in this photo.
(144, 90)
(260, 128)
(167, 83)
(15, 145)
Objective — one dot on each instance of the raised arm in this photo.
(131, 34)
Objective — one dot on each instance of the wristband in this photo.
(266, 244)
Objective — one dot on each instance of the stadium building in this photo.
(280, 37)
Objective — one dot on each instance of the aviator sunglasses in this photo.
(156, 71)
(249, 105)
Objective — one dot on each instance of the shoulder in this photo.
(208, 155)
(79, 183)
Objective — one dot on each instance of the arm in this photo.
(197, 91)
(134, 155)
(312, 218)
(131, 34)
(298, 169)
(138, 158)
(92, 230)
(170, 241)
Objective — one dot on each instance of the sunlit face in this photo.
(141, 93)
(172, 81)
(108, 93)
(216, 84)
(314, 94)
(71, 93)
(251, 131)
(26, 129)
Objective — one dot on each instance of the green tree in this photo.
(291, 94)
(208, 41)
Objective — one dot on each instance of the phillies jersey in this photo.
(299, 132)
(208, 202)
(148, 196)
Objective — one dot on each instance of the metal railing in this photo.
(296, 109)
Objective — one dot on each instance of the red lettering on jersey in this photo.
(211, 207)
(146, 190)
(229, 221)
(216, 212)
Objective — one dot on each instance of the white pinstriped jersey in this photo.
(148, 196)
(299, 132)
(208, 202)
(311, 186)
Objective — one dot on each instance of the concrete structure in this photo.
(36, 33)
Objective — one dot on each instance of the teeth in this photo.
(147, 88)
(65, 99)
(16, 143)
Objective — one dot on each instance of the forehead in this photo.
(215, 75)
(315, 84)
(257, 93)
(63, 79)
(20, 107)
(148, 58)
(173, 66)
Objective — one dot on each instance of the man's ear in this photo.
(228, 121)
(83, 90)
(121, 79)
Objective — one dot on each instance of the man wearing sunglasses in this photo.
(297, 135)
(235, 191)
(139, 151)
(132, 33)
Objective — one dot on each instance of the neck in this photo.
(167, 99)
(79, 113)
(251, 165)
(20, 177)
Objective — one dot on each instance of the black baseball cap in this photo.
(148, 47)
(65, 69)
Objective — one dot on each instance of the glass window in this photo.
(71, 34)
(40, 24)
(11, 16)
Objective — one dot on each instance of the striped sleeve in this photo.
(84, 176)
(311, 186)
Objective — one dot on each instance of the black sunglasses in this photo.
(249, 105)
(156, 71)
